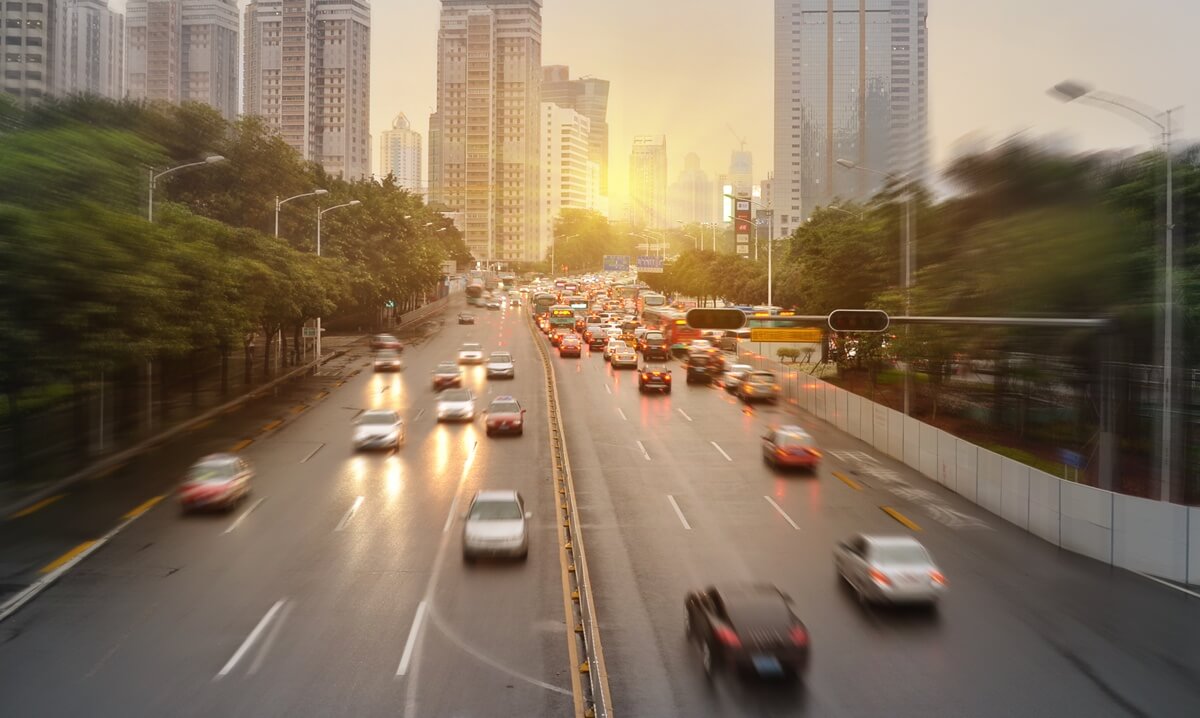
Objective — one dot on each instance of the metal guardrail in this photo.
(596, 699)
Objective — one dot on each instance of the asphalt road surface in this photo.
(337, 589)
(674, 496)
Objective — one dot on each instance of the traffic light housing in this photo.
(859, 320)
(716, 318)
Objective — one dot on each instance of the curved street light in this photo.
(210, 160)
(280, 202)
(320, 214)
(1162, 121)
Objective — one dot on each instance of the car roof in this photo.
(219, 458)
(504, 397)
(792, 429)
(892, 540)
(752, 602)
(496, 495)
(448, 365)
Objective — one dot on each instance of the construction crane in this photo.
(736, 136)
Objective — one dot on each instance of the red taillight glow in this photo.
(645, 377)
(937, 577)
(880, 577)
(727, 636)
(799, 636)
(814, 453)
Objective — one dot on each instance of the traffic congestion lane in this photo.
(961, 657)
(345, 599)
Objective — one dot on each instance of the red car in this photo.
(505, 416)
(790, 447)
(570, 346)
(447, 374)
(217, 481)
(386, 341)
(556, 337)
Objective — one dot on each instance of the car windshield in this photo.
(457, 395)
(740, 369)
(907, 554)
(447, 368)
(385, 338)
(472, 347)
(495, 511)
(505, 407)
(761, 377)
(500, 358)
(654, 336)
(213, 471)
(793, 440)
(378, 417)
(387, 354)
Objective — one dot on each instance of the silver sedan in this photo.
(889, 569)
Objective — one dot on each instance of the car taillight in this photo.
(937, 577)
(880, 577)
(775, 387)
(645, 377)
(728, 637)
(814, 453)
(799, 636)
(667, 377)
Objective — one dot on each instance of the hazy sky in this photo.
(688, 68)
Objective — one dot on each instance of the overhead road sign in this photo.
(649, 265)
(616, 263)
(859, 320)
(716, 318)
(799, 335)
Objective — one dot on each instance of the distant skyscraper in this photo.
(589, 97)
(308, 74)
(850, 82)
(400, 154)
(741, 172)
(26, 64)
(690, 198)
(183, 51)
(488, 106)
(569, 178)
(648, 182)
(89, 49)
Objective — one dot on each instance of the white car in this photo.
(500, 364)
(470, 354)
(388, 360)
(378, 429)
(889, 569)
(733, 376)
(612, 347)
(456, 405)
(701, 344)
(496, 525)
(625, 358)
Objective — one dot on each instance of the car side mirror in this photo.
(523, 411)
(528, 515)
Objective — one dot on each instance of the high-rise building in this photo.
(741, 172)
(183, 51)
(648, 182)
(589, 97)
(488, 106)
(690, 198)
(569, 178)
(308, 74)
(27, 61)
(850, 82)
(400, 154)
(89, 49)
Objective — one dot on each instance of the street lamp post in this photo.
(908, 253)
(280, 202)
(210, 160)
(1069, 91)
(320, 214)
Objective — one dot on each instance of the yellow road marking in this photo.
(233, 408)
(109, 471)
(66, 557)
(273, 425)
(847, 481)
(143, 508)
(202, 425)
(907, 522)
(36, 507)
(241, 445)
(299, 409)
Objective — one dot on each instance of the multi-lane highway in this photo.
(674, 496)
(337, 589)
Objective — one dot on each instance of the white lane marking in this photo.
(450, 516)
(312, 454)
(679, 513)
(718, 448)
(240, 519)
(684, 414)
(418, 416)
(608, 388)
(266, 646)
(1168, 584)
(644, 452)
(246, 644)
(411, 644)
(349, 514)
(622, 413)
(458, 641)
(782, 512)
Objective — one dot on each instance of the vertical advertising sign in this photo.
(741, 225)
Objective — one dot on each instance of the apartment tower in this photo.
(486, 160)
(89, 50)
(308, 75)
(850, 83)
(26, 64)
(400, 154)
(570, 180)
(589, 97)
(648, 182)
(183, 51)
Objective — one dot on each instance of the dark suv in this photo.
(653, 345)
(704, 365)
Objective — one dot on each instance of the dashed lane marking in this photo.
(66, 557)
(901, 518)
(847, 481)
(36, 507)
(142, 508)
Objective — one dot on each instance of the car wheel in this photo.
(468, 557)
(521, 431)
(524, 555)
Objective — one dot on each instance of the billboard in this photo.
(616, 263)
(741, 225)
(649, 265)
